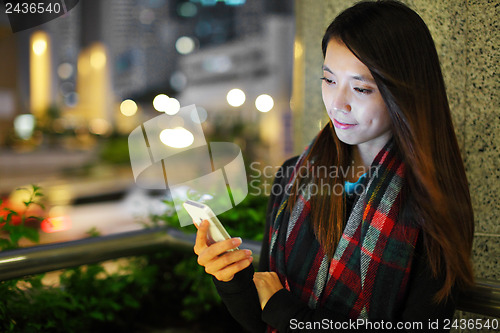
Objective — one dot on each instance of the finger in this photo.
(219, 248)
(228, 272)
(227, 259)
(214, 251)
(201, 237)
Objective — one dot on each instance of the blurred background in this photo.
(72, 90)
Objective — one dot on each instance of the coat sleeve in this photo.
(240, 295)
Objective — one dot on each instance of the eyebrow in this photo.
(357, 77)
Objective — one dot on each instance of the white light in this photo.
(4, 261)
(185, 45)
(160, 102)
(65, 70)
(264, 103)
(173, 106)
(39, 46)
(128, 107)
(24, 125)
(235, 97)
(178, 137)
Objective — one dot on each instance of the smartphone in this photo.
(200, 212)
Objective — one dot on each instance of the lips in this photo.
(340, 125)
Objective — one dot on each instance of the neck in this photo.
(363, 154)
(359, 164)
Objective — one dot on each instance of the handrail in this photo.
(483, 298)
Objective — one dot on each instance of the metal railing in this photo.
(483, 298)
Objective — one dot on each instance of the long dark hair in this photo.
(397, 47)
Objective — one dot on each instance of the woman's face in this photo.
(353, 101)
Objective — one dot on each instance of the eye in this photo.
(327, 80)
(363, 91)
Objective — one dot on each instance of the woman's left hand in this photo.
(267, 284)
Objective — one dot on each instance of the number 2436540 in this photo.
(32, 8)
(471, 324)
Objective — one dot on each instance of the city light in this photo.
(65, 70)
(236, 97)
(40, 74)
(185, 45)
(99, 126)
(298, 50)
(55, 224)
(199, 115)
(160, 102)
(178, 137)
(24, 125)
(93, 84)
(187, 9)
(128, 108)
(178, 80)
(264, 103)
(39, 46)
(163, 103)
(97, 57)
(173, 106)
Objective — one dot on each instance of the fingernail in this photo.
(248, 253)
(237, 241)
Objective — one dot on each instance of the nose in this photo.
(340, 100)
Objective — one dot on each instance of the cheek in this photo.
(382, 120)
(324, 94)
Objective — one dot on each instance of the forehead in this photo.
(340, 60)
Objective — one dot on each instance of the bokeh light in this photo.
(187, 9)
(128, 108)
(199, 115)
(236, 97)
(264, 103)
(160, 102)
(178, 137)
(65, 70)
(24, 125)
(99, 126)
(173, 106)
(185, 45)
(39, 46)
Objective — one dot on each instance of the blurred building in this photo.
(103, 52)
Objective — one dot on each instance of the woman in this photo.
(395, 245)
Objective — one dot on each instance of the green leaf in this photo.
(97, 315)
(11, 212)
(32, 234)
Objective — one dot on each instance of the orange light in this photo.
(55, 224)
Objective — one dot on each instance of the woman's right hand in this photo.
(215, 258)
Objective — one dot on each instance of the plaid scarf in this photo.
(368, 274)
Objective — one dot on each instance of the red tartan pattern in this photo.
(375, 247)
